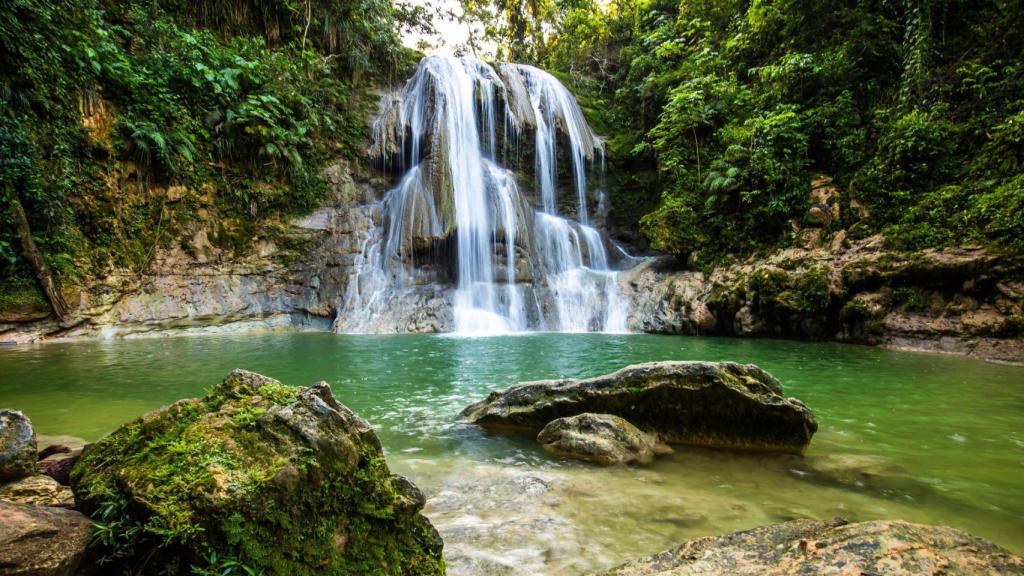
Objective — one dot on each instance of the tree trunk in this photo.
(30, 252)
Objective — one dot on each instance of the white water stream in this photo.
(458, 219)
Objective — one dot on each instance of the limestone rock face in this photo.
(38, 540)
(600, 438)
(283, 480)
(839, 287)
(832, 547)
(17, 446)
(39, 490)
(715, 404)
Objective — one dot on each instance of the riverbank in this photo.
(966, 301)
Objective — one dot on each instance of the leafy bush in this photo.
(103, 105)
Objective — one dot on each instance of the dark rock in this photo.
(17, 446)
(53, 449)
(59, 468)
(283, 480)
(715, 404)
(600, 438)
(836, 547)
(42, 541)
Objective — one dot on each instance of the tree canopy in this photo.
(721, 112)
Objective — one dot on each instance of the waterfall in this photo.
(458, 229)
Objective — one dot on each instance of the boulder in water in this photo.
(282, 480)
(38, 540)
(832, 547)
(600, 438)
(17, 446)
(714, 404)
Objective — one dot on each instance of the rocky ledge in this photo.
(714, 404)
(834, 547)
(958, 300)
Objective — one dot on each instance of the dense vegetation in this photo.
(727, 109)
(121, 123)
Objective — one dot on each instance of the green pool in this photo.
(949, 430)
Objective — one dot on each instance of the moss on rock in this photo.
(257, 474)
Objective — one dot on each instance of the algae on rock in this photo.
(278, 479)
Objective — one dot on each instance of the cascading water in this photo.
(458, 217)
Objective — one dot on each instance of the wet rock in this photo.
(715, 404)
(39, 490)
(59, 466)
(53, 449)
(43, 541)
(285, 480)
(17, 446)
(832, 547)
(600, 438)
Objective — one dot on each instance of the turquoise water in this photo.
(951, 429)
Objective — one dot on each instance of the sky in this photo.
(449, 33)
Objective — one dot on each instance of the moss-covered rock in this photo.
(715, 404)
(278, 479)
(17, 446)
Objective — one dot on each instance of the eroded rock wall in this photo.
(290, 279)
(958, 300)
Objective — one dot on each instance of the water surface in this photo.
(950, 429)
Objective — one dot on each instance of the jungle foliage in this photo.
(723, 111)
(122, 121)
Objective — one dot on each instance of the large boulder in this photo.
(600, 438)
(42, 541)
(17, 446)
(715, 404)
(893, 548)
(282, 480)
(40, 490)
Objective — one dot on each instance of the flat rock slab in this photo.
(40, 490)
(36, 540)
(893, 548)
(714, 404)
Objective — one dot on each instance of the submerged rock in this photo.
(600, 438)
(282, 480)
(38, 540)
(715, 404)
(17, 446)
(860, 471)
(39, 490)
(832, 547)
